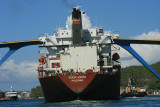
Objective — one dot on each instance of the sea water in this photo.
(147, 101)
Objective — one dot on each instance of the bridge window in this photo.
(87, 40)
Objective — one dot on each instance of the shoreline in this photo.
(153, 94)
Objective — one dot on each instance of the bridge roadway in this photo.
(124, 43)
(14, 46)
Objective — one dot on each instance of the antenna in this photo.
(59, 23)
(77, 7)
(95, 20)
(11, 88)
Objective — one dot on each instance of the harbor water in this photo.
(147, 101)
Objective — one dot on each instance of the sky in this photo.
(27, 19)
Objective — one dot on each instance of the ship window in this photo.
(57, 64)
(101, 63)
(98, 64)
(87, 40)
(62, 33)
(100, 30)
(67, 33)
(52, 65)
(71, 70)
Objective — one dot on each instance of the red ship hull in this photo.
(92, 86)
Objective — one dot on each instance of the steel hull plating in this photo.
(81, 86)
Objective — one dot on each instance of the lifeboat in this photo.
(42, 59)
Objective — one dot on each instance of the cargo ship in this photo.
(77, 63)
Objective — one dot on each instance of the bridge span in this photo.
(14, 46)
(124, 43)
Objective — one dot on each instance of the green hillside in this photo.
(36, 92)
(143, 75)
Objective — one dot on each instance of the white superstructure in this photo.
(11, 95)
(62, 55)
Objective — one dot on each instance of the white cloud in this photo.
(148, 52)
(69, 21)
(86, 23)
(23, 72)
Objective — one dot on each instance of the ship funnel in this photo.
(76, 27)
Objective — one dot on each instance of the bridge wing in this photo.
(136, 41)
(20, 43)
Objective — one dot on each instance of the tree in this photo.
(36, 92)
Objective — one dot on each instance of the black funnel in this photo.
(76, 27)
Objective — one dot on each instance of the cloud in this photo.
(148, 52)
(86, 23)
(67, 4)
(22, 72)
(69, 21)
